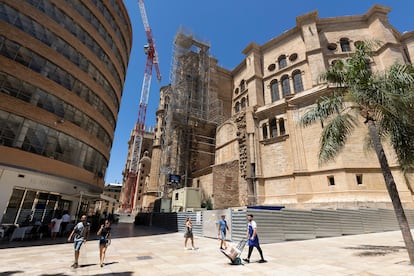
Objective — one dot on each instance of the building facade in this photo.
(133, 194)
(61, 80)
(272, 88)
(262, 155)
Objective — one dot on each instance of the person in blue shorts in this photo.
(104, 234)
(80, 234)
(222, 230)
(253, 239)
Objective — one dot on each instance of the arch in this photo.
(274, 90)
(237, 107)
(297, 81)
(264, 131)
(345, 45)
(285, 85)
(243, 103)
(273, 127)
(242, 85)
(282, 129)
(282, 62)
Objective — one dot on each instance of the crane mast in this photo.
(139, 129)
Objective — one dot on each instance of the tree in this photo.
(385, 100)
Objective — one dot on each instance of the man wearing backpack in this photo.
(80, 234)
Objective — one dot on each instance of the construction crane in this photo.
(139, 130)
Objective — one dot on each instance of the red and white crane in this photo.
(139, 130)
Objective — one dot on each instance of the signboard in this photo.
(174, 178)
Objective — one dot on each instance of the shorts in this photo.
(222, 235)
(103, 242)
(77, 244)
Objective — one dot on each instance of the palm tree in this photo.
(385, 100)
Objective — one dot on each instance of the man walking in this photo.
(253, 239)
(222, 230)
(80, 234)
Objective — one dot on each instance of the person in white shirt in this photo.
(55, 226)
(65, 222)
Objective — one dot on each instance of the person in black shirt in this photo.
(104, 234)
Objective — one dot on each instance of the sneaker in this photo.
(101, 265)
(185, 248)
(262, 261)
(246, 260)
(75, 265)
(192, 248)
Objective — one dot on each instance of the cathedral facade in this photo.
(262, 156)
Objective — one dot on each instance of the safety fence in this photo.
(286, 224)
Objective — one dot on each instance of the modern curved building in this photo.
(63, 66)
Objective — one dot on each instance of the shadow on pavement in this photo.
(7, 273)
(120, 230)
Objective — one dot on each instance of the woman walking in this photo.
(104, 234)
(189, 233)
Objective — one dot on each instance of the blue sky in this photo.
(229, 26)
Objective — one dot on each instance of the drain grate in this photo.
(144, 258)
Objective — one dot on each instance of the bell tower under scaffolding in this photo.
(192, 113)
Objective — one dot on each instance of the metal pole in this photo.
(79, 205)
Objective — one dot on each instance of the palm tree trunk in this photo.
(392, 190)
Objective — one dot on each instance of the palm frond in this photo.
(324, 108)
(334, 136)
(401, 132)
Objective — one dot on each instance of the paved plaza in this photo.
(151, 251)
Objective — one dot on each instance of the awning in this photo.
(99, 197)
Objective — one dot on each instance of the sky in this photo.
(229, 26)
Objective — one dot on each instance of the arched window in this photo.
(264, 131)
(166, 102)
(237, 107)
(273, 128)
(243, 103)
(242, 85)
(345, 46)
(297, 81)
(282, 129)
(274, 90)
(285, 85)
(282, 61)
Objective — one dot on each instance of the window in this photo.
(271, 67)
(264, 131)
(236, 91)
(274, 90)
(358, 43)
(331, 180)
(293, 57)
(345, 46)
(359, 179)
(242, 85)
(332, 46)
(282, 129)
(297, 81)
(273, 128)
(243, 103)
(282, 61)
(334, 61)
(285, 85)
(237, 107)
(176, 196)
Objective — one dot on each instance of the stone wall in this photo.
(226, 185)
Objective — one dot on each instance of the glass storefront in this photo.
(27, 206)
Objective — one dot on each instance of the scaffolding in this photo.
(192, 111)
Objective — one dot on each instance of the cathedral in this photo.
(235, 134)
